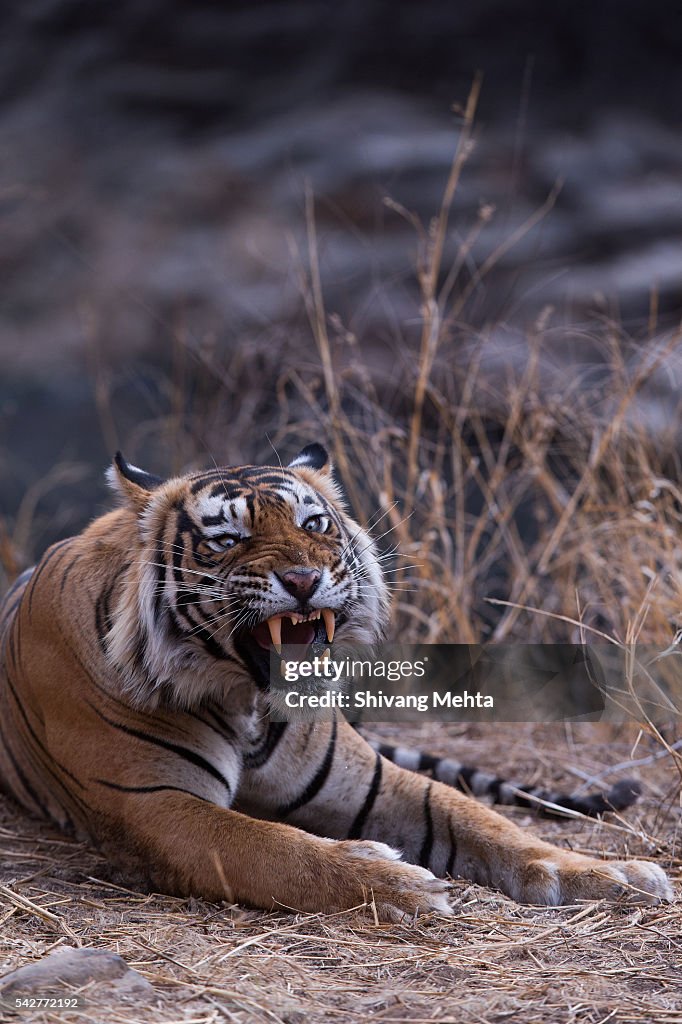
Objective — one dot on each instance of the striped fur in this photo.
(134, 711)
(470, 779)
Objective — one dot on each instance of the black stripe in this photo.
(205, 478)
(258, 757)
(186, 596)
(427, 845)
(318, 780)
(214, 520)
(272, 499)
(254, 663)
(138, 657)
(210, 645)
(8, 612)
(146, 789)
(46, 765)
(11, 657)
(286, 487)
(427, 762)
(184, 752)
(228, 489)
(372, 793)
(65, 574)
(464, 778)
(251, 506)
(22, 578)
(47, 761)
(259, 475)
(159, 572)
(40, 568)
(493, 789)
(102, 605)
(453, 851)
(27, 786)
(219, 724)
(35, 738)
(520, 800)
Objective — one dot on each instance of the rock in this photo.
(67, 968)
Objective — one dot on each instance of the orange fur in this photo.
(131, 713)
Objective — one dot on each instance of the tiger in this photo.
(135, 711)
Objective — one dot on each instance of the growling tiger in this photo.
(134, 710)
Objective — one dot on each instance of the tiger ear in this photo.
(313, 456)
(131, 483)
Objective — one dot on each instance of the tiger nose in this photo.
(301, 582)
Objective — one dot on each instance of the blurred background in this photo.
(177, 175)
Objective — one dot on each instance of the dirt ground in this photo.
(495, 961)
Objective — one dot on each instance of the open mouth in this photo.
(294, 629)
(291, 629)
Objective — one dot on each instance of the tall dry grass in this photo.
(494, 471)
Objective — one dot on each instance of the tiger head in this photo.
(227, 565)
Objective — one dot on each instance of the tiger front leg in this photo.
(336, 785)
(482, 845)
(189, 846)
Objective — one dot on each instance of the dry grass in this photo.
(495, 961)
(496, 467)
(493, 474)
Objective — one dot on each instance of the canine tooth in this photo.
(283, 669)
(275, 627)
(329, 623)
(327, 654)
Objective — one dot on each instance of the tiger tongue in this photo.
(302, 633)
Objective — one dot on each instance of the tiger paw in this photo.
(563, 877)
(376, 873)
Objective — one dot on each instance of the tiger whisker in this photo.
(375, 540)
(194, 572)
(203, 602)
(240, 624)
(370, 524)
(209, 622)
(394, 590)
(208, 592)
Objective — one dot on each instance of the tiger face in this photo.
(231, 564)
